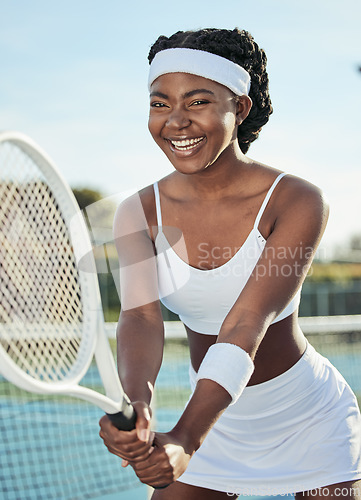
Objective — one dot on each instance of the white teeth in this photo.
(187, 143)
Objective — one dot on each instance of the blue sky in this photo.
(73, 77)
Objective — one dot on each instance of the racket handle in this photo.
(125, 419)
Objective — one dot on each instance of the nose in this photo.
(177, 118)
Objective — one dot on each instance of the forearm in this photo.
(140, 343)
(207, 404)
(221, 379)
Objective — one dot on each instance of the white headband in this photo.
(200, 63)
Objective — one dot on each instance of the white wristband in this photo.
(228, 365)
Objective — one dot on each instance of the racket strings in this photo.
(41, 313)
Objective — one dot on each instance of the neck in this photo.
(221, 178)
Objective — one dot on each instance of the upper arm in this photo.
(301, 217)
(137, 260)
(140, 327)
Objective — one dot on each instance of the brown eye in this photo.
(199, 102)
(157, 105)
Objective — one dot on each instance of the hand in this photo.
(135, 445)
(166, 463)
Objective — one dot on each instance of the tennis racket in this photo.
(51, 320)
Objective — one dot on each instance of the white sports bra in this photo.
(203, 298)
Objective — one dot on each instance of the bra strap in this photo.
(157, 205)
(266, 200)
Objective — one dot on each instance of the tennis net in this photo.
(50, 448)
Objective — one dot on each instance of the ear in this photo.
(244, 104)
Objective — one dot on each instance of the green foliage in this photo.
(86, 196)
(341, 272)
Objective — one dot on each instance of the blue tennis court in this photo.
(50, 448)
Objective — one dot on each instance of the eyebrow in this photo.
(185, 96)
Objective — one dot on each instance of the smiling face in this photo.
(193, 120)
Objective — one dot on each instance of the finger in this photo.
(153, 465)
(126, 444)
(131, 451)
(135, 459)
(151, 438)
(146, 466)
(152, 474)
(109, 432)
(121, 439)
(142, 424)
(157, 482)
(125, 463)
(156, 479)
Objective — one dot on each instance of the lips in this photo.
(186, 144)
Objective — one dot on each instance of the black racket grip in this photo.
(125, 419)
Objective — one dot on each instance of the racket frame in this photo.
(94, 341)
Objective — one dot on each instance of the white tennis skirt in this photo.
(297, 432)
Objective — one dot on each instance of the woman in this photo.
(226, 242)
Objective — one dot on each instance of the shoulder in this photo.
(145, 198)
(296, 193)
(136, 213)
(131, 231)
(133, 212)
(293, 197)
(300, 208)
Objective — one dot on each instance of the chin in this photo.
(188, 169)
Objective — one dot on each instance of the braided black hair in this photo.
(237, 46)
